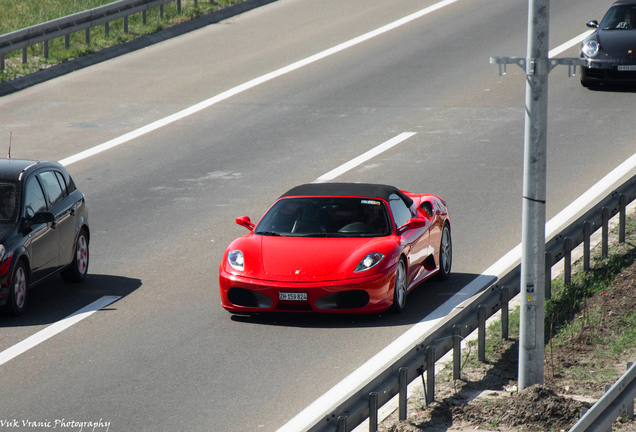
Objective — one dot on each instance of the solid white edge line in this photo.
(248, 85)
(55, 328)
(364, 157)
(558, 50)
(325, 404)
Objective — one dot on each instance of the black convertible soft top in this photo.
(366, 190)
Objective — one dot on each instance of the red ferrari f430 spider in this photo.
(337, 247)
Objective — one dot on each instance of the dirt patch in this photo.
(575, 371)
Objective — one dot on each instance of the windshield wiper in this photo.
(267, 233)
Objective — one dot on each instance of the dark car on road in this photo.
(610, 52)
(43, 228)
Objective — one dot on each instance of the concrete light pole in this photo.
(532, 288)
(537, 66)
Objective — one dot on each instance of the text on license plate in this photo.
(292, 296)
(627, 68)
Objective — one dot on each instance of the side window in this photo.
(401, 213)
(60, 178)
(34, 198)
(52, 187)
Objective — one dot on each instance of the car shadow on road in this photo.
(614, 88)
(55, 299)
(420, 303)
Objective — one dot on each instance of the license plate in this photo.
(627, 68)
(292, 296)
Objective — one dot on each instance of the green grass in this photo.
(19, 14)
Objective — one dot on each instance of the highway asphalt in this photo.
(166, 356)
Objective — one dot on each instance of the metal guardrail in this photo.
(472, 314)
(65, 26)
(618, 399)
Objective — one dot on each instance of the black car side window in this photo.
(34, 198)
(401, 212)
(52, 186)
(60, 178)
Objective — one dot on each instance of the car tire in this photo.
(445, 254)
(78, 269)
(17, 301)
(399, 288)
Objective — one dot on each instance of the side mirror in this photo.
(592, 24)
(39, 218)
(246, 222)
(411, 224)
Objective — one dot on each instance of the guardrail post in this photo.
(161, 12)
(402, 392)
(430, 373)
(143, 17)
(67, 41)
(87, 36)
(605, 218)
(505, 299)
(607, 388)
(24, 55)
(548, 275)
(457, 352)
(587, 232)
(481, 336)
(567, 260)
(373, 412)
(126, 24)
(106, 29)
(1, 61)
(342, 424)
(179, 6)
(630, 406)
(46, 49)
(622, 202)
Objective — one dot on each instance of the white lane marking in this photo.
(56, 328)
(558, 50)
(249, 85)
(364, 157)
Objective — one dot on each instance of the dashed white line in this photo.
(364, 157)
(54, 329)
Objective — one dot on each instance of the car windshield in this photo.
(8, 202)
(326, 217)
(620, 17)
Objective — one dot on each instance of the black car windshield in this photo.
(326, 217)
(8, 202)
(619, 17)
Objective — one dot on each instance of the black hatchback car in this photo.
(43, 228)
(610, 52)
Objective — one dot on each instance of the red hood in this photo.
(307, 256)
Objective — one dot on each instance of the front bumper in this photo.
(370, 294)
(608, 71)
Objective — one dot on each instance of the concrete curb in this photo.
(61, 69)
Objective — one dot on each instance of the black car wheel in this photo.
(16, 304)
(445, 254)
(399, 290)
(78, 269)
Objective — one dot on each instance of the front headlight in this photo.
(235, 259)
(369, 261)
(590, 49)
